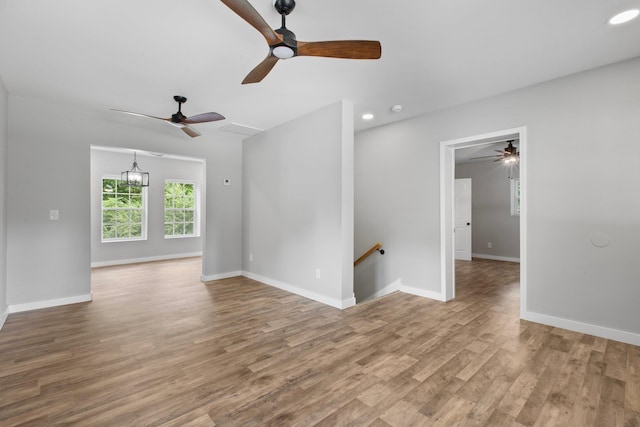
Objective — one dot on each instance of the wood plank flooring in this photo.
(158, 348)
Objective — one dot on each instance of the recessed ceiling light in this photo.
(396, 108)
(367, 116)
(625, 16)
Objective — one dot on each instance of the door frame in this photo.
(447, 220)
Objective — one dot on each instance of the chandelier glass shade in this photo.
(135, 177)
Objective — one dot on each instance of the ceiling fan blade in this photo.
(348, 49)
(139, 114)
(203, 118)
(261, 70)
(484, 157)
(186, 129)
(190, 131)
(247, 12)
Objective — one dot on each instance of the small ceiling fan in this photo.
(283, 43)
(180, 120)
(510, 155)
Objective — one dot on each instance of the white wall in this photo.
(491, 217)
(582, 180)
(49, 261)
(110, 163)
(298, 205)
(4, 118)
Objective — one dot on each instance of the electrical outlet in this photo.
(317, 273)
(489, 245)
(54, 214)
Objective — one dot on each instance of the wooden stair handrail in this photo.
(374, 248)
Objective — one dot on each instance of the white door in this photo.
(462, 211)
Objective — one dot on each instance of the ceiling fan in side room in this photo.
(283, 43)
(181, 121)
(510, 155)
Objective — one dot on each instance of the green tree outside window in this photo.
(122, 211)
(179, 209)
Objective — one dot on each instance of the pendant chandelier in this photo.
(135, 177)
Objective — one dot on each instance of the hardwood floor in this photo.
(157, 347)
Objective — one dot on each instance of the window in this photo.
(123, 211)
(180, 209)
(515, 197)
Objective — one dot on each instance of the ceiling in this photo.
(135, 55)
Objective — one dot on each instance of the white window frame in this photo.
(144, 214)
(515, 197)
(196, 209)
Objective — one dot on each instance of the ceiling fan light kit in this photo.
(283, 43)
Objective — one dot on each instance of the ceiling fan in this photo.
(510, 155)
(180, 120)
(283, 43)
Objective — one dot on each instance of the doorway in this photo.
(447, 205)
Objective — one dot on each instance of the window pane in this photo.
(168, 216)
(108, 232)
(108, 216)
(188, 216)
(179, 216)
(135, 200)
(179, 202)
(189, 202)
(168, 201)
(179, 228)
(136, 216)
(136, 230)
(168, 229)
(122, 216)
(122, 201)
(108, 200)
(108, 185)
(122, 188)
(188, 228)
(122, 231)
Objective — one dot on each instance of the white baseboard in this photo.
(220, 276)
(349, 302)
(3, 317)
(495, 257)
(17, 308)
(421, 292)
(144, 259)
(585, 328)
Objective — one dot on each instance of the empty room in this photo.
(301, 213)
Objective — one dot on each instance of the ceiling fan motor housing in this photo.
(179, 117)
